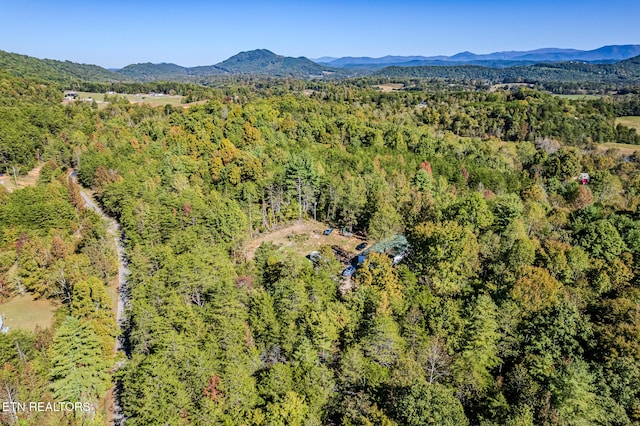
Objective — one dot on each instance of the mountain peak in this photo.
(252, 54)
(265, 62)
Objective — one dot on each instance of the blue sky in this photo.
(196, 32)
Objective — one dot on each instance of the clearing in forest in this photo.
(623, 148)
(389, 87)
(584, 97)
(8, 181)
(25, 313)
(303, 238)
(631, 121)
(140, 98)
(507, 86)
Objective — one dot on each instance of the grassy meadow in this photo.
(631, 122)
(141, 98)
(579, 97)
(25, 313)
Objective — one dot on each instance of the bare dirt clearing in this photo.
(303, 238)
(9, 182)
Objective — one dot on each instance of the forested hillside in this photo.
(518, 302)
(53, 248)
(51, 70)
(623, 73)
(257, 62)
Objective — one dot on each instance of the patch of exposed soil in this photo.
(303, 238)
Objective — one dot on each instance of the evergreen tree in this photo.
(78, 372)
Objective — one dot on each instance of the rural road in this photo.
(115, 232)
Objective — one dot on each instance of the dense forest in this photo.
(517, 304)
(623, 73)
(52, 70)
(52, 247)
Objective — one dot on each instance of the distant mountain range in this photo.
(256, 62)
(622, 73)
(601, 65)
(496, 59)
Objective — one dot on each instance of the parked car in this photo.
(328, 231)
(361, 246)
(349, 270)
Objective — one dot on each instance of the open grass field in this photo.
(579, 97)
(162, 100)
(630, 121)
(623, 148)
(390, 87)
(25, 313)
(303, 238)
(138, 98)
